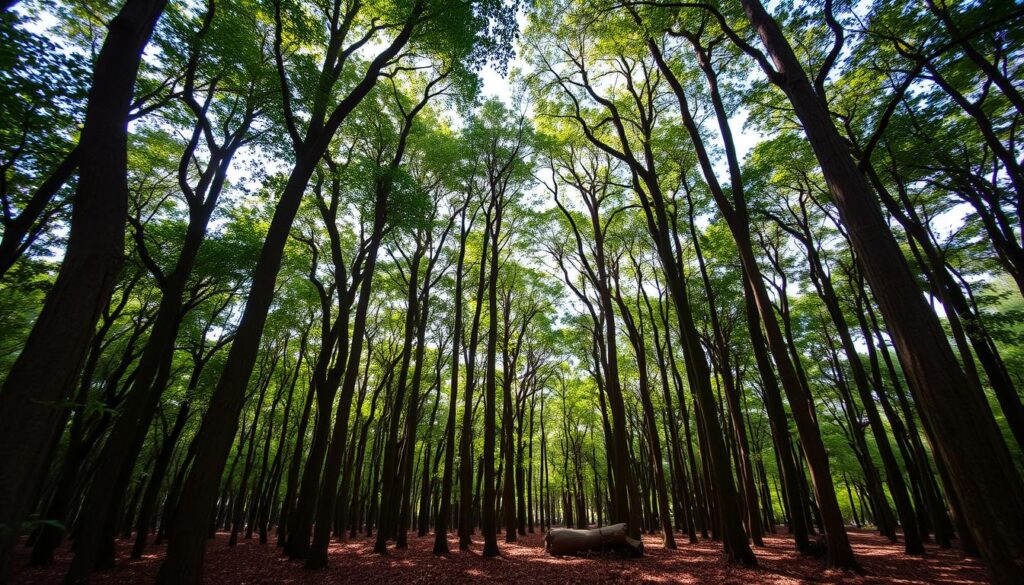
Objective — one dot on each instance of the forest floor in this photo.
(525, 562)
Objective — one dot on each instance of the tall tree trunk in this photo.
(183, 563)
(443, 513)
(393, 466)
(839, 552)
(154, 369)
(406, 483)
(966, 437)
(325, 507)
(636, 338)
(156, 478)
(508, 490)
(894, 475)
(46, 370)
(487, 508)
(294, 469)
(466, 439)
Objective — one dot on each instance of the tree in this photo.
(976, 463)
(46, 370)
(688, 274)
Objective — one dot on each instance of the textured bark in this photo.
(614, 538)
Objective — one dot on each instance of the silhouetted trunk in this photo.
(965, 434)
(238, 514)
(406, 484)
(47, 368)
(466, 440)
(156, 478)
(391, 498)
(294, 467)
(444, 511)
(894, 475)
(21, 232)
(636, 338)
(154, 369)
(187, 547)
(271, 493)
(734, 211)
(183, 563)
(425, 475)
(317, 558)
(84, 433)
(508, 486)
(798, 521)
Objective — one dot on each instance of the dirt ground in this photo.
(526, 562)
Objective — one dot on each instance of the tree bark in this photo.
(186, 550)
(43, 376)
(441, 525)
(966, 436)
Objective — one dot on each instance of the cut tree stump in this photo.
(609, 539)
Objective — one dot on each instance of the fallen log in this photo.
(609, 539)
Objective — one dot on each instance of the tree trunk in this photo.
(45, 372)
(966, 436)
(614, 538)
(487, 508)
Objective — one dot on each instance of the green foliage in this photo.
(595, 121)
